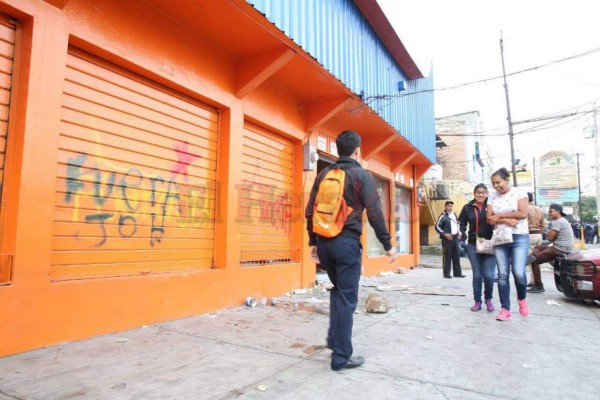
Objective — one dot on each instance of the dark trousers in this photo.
(451, 256)
(542, 254)
(341, 257)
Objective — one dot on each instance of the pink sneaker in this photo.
(503, 315)
(523, 307)
(476, 306)
(489, 305)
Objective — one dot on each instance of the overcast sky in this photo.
(462, 38)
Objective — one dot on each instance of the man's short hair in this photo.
(448, 202)
(347, 142)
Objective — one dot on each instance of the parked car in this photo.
(576, 275)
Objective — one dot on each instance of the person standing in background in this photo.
(447, 227)
(537, 223)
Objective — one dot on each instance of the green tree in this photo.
(588, 208)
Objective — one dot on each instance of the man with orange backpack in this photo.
(334, 212)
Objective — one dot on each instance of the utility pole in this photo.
(510, 124)
(596, 164)
(579, 186)
(534, 185)
(581, 244)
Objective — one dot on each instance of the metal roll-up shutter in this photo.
(7, 53)
(265, 206)
(136, 175)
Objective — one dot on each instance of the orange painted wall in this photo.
(39, 310)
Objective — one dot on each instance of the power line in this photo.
(563, 114)
(388, 96)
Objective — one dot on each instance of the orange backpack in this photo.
(330, 210)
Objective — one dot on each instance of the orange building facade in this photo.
(152, 160)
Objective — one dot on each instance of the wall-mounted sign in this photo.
(321, 143)
(333, 149)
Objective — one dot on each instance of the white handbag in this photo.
(484, 246)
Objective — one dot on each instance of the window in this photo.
(403, 217)
(374, 248)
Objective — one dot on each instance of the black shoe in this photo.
(530, 284)
(536, 289)
(460, 276)
(530, 259)
(353, 362)
(447, 277)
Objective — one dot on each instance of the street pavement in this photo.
(428, 346)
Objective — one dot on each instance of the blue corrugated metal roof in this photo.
(337, 35)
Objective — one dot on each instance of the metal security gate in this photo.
(7, 54)
(265, 198)
(136, 180)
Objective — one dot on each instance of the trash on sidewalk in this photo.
(295, 306)
(299, 291)
(387, 273)
(262, 388)
(402, 270)
(552, 303)
(426, 290)
(324, 286)
(122, 340)
(429, 337)
(256, 299)
(377, 304)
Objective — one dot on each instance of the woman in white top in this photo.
(507, 206)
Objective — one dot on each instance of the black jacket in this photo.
(360, 193)
(444, 224)
(467, 215)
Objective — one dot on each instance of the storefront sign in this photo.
(556, 170)
(559, 196)
(524, 178)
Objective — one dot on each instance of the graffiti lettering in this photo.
(101, 218)
(122, 223)
(137, 201)
(125, 184)
(73, 176)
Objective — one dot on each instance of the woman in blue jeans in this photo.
(474, 215)
(507, 206)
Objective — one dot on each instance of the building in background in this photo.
(157, 156)
(463, 161)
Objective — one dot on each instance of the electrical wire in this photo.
(367, 99)
(533, 129)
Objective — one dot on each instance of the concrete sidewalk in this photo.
(426, 347)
